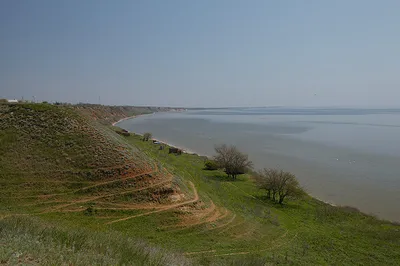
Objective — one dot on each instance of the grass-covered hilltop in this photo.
(74, 192)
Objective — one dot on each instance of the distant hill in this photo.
(109, 114)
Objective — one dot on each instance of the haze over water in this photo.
(342, 156)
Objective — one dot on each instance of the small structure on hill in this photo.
(175, 150)
(12, 101)
(123, 132)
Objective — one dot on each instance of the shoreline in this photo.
(187, 151)
(129, 117)
(134, 116)
(184, 149)
(191, 152)
(122, 119)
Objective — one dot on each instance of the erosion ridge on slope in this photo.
(55, 159)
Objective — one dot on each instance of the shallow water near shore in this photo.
(342, 156)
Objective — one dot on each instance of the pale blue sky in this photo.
(202, 53)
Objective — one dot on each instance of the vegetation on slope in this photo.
(26, 241)
(301, 232)
(168, 200)
(55, 161)
(43, 137)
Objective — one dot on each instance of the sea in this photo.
(343, 156)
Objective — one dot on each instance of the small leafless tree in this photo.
(279, 184)
(232, 160)
(147, 136)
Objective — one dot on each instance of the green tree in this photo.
(147, 136)
(279, 184)
(232, 160)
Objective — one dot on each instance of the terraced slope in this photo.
(54, 159)
(44, 138)
(57, 160)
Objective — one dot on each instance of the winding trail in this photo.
(55, 209)
(260, 250)
(276, 243)
(230, 227)
(207, 212)
(200, 252)
(196, 198)
(96, 184)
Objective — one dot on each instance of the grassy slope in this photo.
(305, 232)
(230, 223)
(55, 162)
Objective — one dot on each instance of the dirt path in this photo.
(114, 181)
(230, 227)
(54, 209)
(199, 252)
(276, 243)
(117, 206)
(85, 188)
(196, 198)
(204, 213)
(260, 250)
(67, 170)
(222, 225)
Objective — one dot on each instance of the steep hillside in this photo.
(55, 159)
(42, 137)
(81, 194)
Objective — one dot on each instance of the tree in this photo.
(267, 179)
(232, 160)
(147, 136)
(279, 184)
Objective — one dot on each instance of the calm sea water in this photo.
(342, 156)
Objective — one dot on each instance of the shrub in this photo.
(211, 165)
(90, 211)
(147, 136)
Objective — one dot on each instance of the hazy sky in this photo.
(202, 53)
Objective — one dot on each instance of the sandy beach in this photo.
(129, 117)
(122, 119)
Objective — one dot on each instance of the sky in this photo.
(208, 53)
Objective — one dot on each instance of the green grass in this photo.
(305, 231)
(32, 241)
(250, 230)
